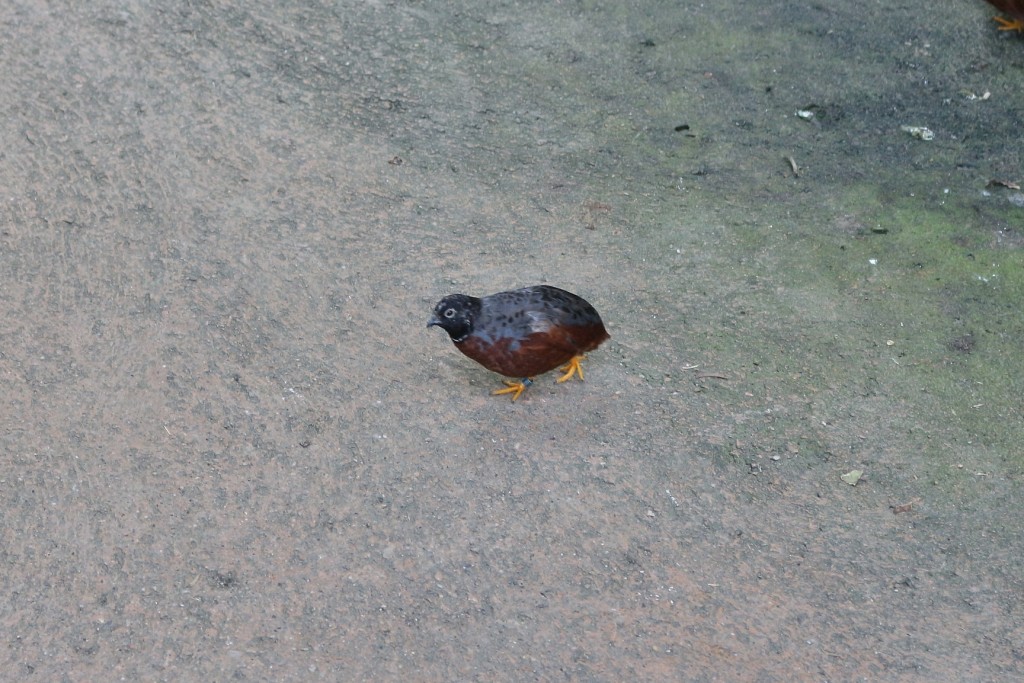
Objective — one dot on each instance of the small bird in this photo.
(1014, 8)
(522, 333)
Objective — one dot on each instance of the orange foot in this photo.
(573, 368)
(1010, 24)
(514, 388)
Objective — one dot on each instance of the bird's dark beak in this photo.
(434, 320)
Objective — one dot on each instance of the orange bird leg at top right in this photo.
(1014, 8)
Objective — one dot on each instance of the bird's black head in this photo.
(455, 314)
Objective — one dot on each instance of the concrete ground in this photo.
(233, 451)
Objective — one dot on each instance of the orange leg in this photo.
(514, 388)
(573, 368)
(1010, 24)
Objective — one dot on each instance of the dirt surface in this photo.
(233, 451)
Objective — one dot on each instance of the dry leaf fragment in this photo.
(852, 477)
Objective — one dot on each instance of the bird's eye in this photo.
(450, 313)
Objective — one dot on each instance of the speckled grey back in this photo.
(521, 312)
